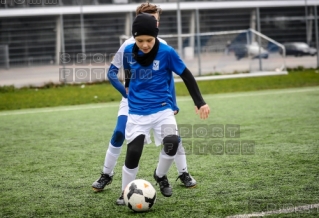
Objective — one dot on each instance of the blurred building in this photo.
(34, 32)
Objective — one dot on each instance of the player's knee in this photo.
(134, 152)
(171, 143)
(118, 138)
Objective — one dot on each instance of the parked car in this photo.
(299, 49)
(253, 50)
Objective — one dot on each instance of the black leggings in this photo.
(135, 149)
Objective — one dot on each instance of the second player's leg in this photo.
(114, 148)
(112, 154)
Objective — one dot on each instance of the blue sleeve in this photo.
(172, 90)
(114, 80)
(176, 64)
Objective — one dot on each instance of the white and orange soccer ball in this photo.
(139, 195)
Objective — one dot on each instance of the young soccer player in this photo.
(148, 65)
(118, 136)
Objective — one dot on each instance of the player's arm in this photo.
(177, 65)
(116, 64)
(112, 76)
(191, 85)
(192, 88)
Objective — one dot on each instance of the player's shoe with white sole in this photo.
(164, 185)
(187, 180)
(120, 200)
(103, 181)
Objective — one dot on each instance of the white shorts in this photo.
(123, 109)
(162, 123)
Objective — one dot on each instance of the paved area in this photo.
(40, 75)
(26, 76)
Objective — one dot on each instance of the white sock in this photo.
(180, 160)
(111, 156)
(164, 163)
(128, 175)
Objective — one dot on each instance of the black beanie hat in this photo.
(144, 24)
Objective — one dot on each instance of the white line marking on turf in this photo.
(57, 109)
(251, 94)
(281, 211)
(183, 98)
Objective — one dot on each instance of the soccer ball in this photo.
(139, 195)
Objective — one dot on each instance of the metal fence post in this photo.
(82, 31)
(259, 39)
(306, 21)
(198, 43)
(317, 34)
(179, 29)
(6, 56)
(62, 46)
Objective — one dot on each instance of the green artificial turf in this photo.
(51, 156)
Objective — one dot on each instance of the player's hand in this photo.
(175, 112)
(203, 111)
(196, 110)
(126, 89)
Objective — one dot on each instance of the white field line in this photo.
(179, 99)
(57, 109)
(281, 211)
(254, 93)
(232, 76)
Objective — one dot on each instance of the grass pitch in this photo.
(50, 157)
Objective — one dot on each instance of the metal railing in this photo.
(34, 40)
(226, 52)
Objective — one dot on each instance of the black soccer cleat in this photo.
(187, 180)
(120, 200)
(165, 187)
(103, 181)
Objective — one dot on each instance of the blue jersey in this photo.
(149, 89)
